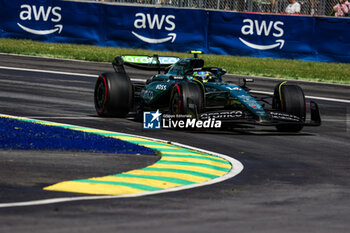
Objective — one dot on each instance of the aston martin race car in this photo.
(185, 87)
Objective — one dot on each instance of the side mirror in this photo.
(243, 82)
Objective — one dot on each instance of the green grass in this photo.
(278, 68)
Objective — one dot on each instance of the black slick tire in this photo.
(290, 99)
(113, 95)
(187, 99)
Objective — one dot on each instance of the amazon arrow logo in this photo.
(279, 43)
(172, 37)
(263, 28)
(41, 13)
(58, 28)
(155, 22)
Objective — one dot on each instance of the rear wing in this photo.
(154, 62)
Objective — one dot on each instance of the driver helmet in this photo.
(203, 76)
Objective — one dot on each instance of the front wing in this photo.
(274, 117)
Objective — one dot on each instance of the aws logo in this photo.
(29, 13)
(263, 28)
(155, 22)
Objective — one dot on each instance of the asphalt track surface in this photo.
(290, 182)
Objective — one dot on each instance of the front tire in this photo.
(187, 99)
(290, 99)
(113, 95)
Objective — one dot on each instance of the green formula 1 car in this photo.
(187, 87)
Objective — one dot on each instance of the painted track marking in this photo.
(142, 80)
(181, 167)
(309, 97)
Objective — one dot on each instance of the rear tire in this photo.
(290, 99)
(113, 95)
(187, 99)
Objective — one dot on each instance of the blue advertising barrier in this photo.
(171, 29)
(280, 36)
(103, 24)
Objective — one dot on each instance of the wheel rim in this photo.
(176, 101)
(175, 106)
(101, 95)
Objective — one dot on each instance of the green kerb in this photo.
(126, 184)
(194, 164)
(161, 178)
(181, 171)
(195, 157)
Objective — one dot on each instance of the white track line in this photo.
(58, 72)
(47, 71)
(95, 76)
(237, 167)
(308, 96)
(292, 80)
